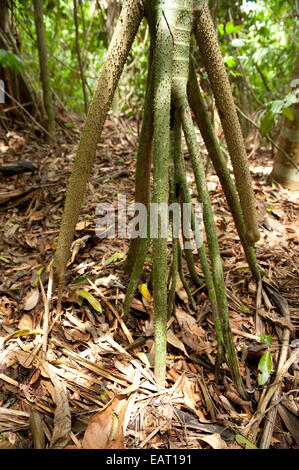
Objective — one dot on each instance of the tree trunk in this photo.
(127, 26)
(44, 68)
(79, 57)
(213, 61)
(14, 82)
(113, 10)
(171, 23)
(3, 14)
(283, 172)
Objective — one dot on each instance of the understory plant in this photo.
(172, 91)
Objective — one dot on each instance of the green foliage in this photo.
(264, 34)
(264, 367)
(90, 299)
(267, 122)
(267, 340)
(93, 40)
(11, 60)
(112, 258)
(275, 109)
(260, 34)
(242, 440)
(265, 362)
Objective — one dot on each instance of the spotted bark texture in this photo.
(125, 32)
(213, 61)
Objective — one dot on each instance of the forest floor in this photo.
(92, 367)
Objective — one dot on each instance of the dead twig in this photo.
(47, 315)
(269, 394)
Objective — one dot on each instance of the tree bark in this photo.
(44, 68)
(83, 80)
(143, 163)
(14, 82)
(206, 129)
(162, 69)
(213, 61)
(126, 29)
(283, 172)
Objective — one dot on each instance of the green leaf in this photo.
(267, 123)
(264, 367)
(38, 275)
(269, 339)
(40, 270)
(24, 332)
(10, 221)
(81, 280)
(114, 257)
(238, 42)
(221, 29)
(4, 259)
(11, 60)
(288, 114)
(242, 440)
(230, 62)
(90, 299)
(229, 27)
(238, 27)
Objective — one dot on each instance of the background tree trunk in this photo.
(14, 83)
(44, 67)
(283, 172)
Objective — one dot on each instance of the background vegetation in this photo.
(258, 41)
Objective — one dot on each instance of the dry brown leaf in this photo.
(31, 240)
(290, 421)
(72, 334)
(105, 429)
(174, 341)
(31, 299)
(25, 322)
(180, 291)
(138, 305)
(24, 358)
(179, 382)
(188, 391)
(77, 245)
(189, 323)
(125, 368)
(83, 224)
(6, 445)
(214, 440)
(196, 344)
(62, 415)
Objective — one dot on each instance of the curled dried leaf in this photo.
(105, 429)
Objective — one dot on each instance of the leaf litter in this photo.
(97, 388)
